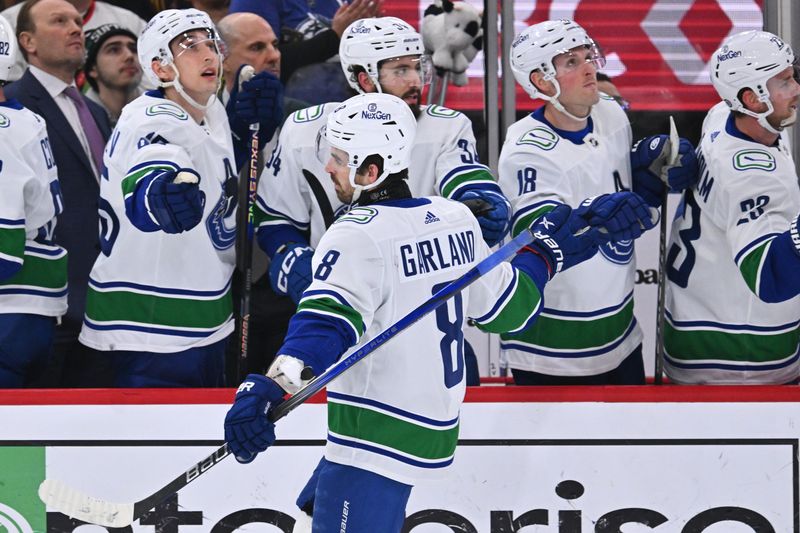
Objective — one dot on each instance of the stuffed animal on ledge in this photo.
(452, 33)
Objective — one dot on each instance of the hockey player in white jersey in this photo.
(33, 269)
(576, 146)
(393, 417)
(733, 312)
(297, 201)
(159, 293)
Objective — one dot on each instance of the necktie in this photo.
(93, 135)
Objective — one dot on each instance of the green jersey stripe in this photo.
(520, 306)
(703, 345)
(128, 306)
(565, 334)
(130, 181)
(328, 306)
(472, 176)
(12, 242)
(386, 430)
(41, 272)
(750, 265)
(526, 221)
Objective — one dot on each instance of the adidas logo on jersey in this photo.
(430, 218)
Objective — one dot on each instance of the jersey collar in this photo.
(733, 131)
(576, 137)
(11, 103)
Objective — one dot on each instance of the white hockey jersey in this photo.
(154, 291)
(396, 412)
(718, 330)
(588, 326)
(30, 200)
(295, 189)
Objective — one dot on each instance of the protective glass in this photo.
(327, 152)
(570, 60)
(418, 68)
(197, 42)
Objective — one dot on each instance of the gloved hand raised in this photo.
(290, 271)
(248, 430)
(562, 239)
(256, 101)
(619, 216)
(494, 221)
(175, 200)
(651, 167)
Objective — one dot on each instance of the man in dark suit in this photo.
(51, 38)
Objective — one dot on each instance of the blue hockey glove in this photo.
(563, 239)
(650, 167)
(621, 215)
(290, 271)
(495, 223)
(177, 207)
(258, 101)
(248, 431)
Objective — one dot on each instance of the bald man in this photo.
(250, 40)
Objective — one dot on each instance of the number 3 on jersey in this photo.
(679, 274)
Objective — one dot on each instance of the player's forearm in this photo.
(517, 308)
(778, 277)
(317, 340)
(272, 237)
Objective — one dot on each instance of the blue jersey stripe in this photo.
(151, 329)
(32, 292)
(730, 327)
(739, 367)
(158, 290)
(588, 314)
(744, 251)
(502, 300)
(388, 453)
(392, 409)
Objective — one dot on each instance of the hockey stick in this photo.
(662, 255)
(247, 198)
(75, 504)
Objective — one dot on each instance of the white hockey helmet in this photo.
(157, 35)
(367, 42)
(537, 46)
(748, 60)
(8, 43)
(370, 124)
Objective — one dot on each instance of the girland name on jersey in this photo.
(430, 255)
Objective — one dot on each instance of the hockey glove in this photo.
(248, 430)
(494, 223)
(563, 239)
(175, 201)
(290, 271)
(290, 373)
(258, 101)
(619, 216)
(651, 168)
